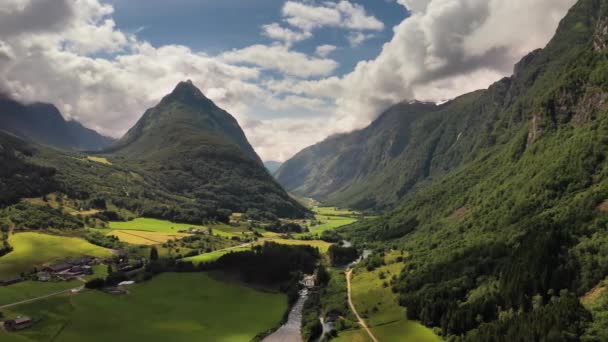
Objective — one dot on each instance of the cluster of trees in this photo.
(27, 216)
(5, 248)
(285, 228)
(19, 178)
(339, 255)
(270, 263)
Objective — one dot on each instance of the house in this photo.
(18, 323)
(44, 276)
(11, 281)
(84, 261)
(57, 268)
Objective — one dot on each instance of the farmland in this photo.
(168, 227)
(170, 307)
(137, 237)
(35, 249)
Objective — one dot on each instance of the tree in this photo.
(94, 284)
(153, 253)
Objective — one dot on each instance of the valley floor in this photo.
(170, 307)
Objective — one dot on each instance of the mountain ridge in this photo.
(43, 123)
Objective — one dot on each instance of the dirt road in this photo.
(349, 273)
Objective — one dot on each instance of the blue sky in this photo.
(215, 26)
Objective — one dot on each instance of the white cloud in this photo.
(280, 58)
(325, 50)
(288, 36)
(343, 14)
(357, 38)
(444, 49)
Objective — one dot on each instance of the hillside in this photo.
(348, 168)
(193, 148)
(43, 124)
(510, 227)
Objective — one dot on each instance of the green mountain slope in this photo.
(42, 123)
(195, 149)
(511, 228)
(343, 168)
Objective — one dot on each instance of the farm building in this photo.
(18, 323)
(57, 268)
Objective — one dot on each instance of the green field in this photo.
(334, 211)
(378, 305)
(171, 307)
(30, 289)
(35, 249)
(212, 256)
(161, 226)
(330, 222)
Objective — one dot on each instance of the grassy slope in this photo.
(35, 249)
(212, 256)
(29, 289)
(379, 307)
(171, 307)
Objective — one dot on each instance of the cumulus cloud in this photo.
(342, 14)
(357, 38)
(277, 32)
(325, 50)
(278, 57)
(444, 49)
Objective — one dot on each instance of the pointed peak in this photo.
(185, 91)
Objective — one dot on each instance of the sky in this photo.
(292, 72)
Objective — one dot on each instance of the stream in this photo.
(291, 331)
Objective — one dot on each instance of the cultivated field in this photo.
(167, 227)
(321, 245)
(142, 237)
(171, 307)
(35, 249)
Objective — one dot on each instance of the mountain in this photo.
(500, 204)
(348, 168)
(196, 149)
(43, 123)
(272, 166)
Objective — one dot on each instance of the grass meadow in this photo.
(170, 307)
(167, 227)
(30, 289)
(378, 305)
(35, 249)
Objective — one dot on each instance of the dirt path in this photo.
(41, 297)
(349, 273)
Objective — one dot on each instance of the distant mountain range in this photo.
(43, 123)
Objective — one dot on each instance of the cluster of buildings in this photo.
(196, 231)
(68, 270)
